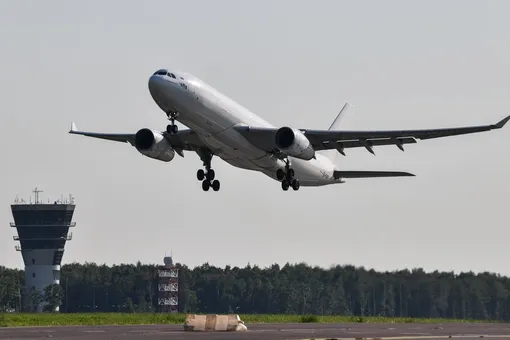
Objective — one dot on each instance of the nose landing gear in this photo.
(172, 128)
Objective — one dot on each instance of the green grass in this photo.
(92, 319)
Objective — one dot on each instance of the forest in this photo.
(288, 289)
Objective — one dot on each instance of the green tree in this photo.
(290, 288)
(36, 298)
(53, 297)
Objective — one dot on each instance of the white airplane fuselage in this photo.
(213, 117)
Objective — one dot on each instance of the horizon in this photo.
(251, 265)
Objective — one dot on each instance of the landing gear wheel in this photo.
(170, 128)
(200, 175)
(290, 174)
(280, 174)
(295, 184)
(210, 174)
(285, 185)
(216, 185)
(206, 185)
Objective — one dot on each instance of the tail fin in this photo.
(334, 155)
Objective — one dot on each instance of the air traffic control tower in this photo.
(43, 230)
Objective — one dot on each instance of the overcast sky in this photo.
(402, 65)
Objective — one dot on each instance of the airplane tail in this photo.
(334, 155)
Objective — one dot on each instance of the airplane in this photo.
(219, 126)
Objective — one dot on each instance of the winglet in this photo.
(502, 123)
(336, 123)
(73, 128)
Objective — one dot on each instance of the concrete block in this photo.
(214, 323)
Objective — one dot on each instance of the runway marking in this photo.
(94, 331)
(466, 336)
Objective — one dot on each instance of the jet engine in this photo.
(152, 144)
(294, 143)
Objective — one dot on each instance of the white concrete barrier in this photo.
(214, 323)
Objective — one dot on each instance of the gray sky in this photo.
(401, 64)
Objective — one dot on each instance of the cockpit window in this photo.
(164, 72)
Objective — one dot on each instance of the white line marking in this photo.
(93, 331)
(467, 336)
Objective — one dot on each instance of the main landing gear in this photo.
(207, 177)
(172, 128)
(287, 177)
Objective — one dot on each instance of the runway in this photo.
(266, 332)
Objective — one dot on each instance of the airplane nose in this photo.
(152, 80)
(154, 83)
(158, 90)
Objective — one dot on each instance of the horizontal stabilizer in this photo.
(370, 174)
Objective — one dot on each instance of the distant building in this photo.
(43, 230)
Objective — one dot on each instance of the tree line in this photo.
(288, 289)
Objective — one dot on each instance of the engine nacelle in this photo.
(152, 144)
(294, 143)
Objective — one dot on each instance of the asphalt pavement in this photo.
(265, 331)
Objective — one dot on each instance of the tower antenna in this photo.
(37, 191)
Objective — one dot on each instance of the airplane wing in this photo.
(264, 138)
(182, 140)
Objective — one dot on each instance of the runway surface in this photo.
(266, 332)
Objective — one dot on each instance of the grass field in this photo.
(55, 319)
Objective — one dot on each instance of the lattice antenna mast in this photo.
(36, 192)
(168, 287)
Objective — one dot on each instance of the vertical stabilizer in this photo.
(334, 155)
